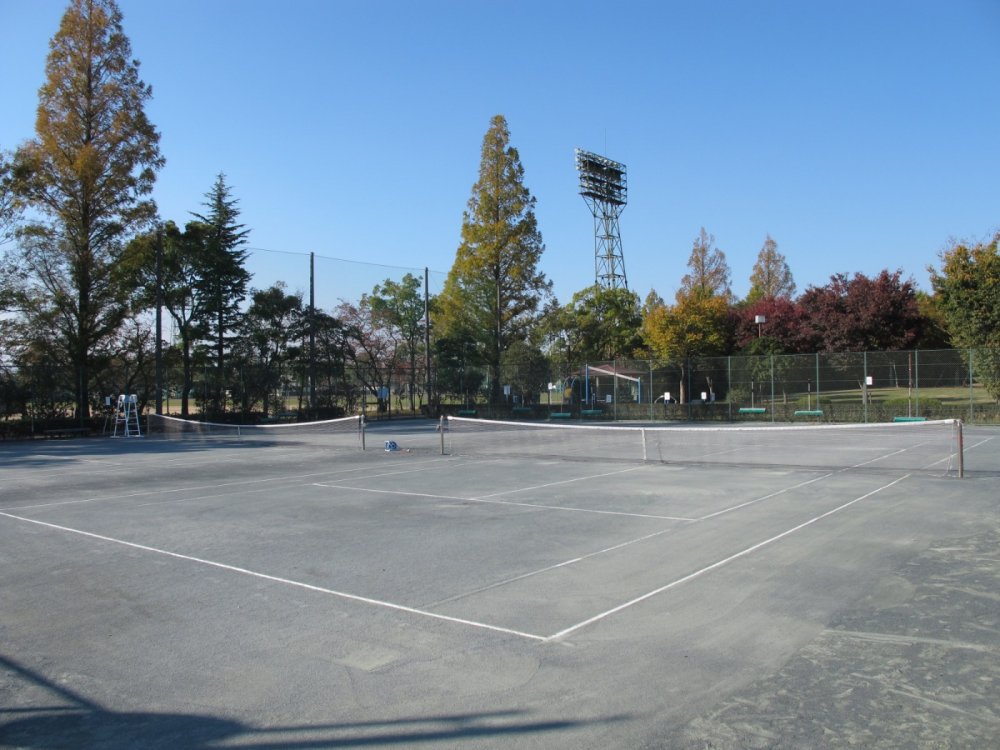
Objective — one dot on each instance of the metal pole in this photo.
(961, 449)
(864, 384)
(159, 319)
(312, 337)
(441, 429)
(972, 403)
(772, 387)
(427, 338)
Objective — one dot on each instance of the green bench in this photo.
(752, 410)
(591, 412)
(809, 413)
(560, 415)
(468, 413)
(522, 410)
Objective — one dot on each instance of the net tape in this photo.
(933, 446)
(345, 431)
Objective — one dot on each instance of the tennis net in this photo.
(346, 432)
(933, 446)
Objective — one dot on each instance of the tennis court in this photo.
(293, 590)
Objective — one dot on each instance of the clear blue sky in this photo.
(861, 134)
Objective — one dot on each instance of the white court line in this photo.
(562, 481)
(278, 579)
(568, 509)
(708, 568)
(765, 497)
(196, 488)
(563, 564)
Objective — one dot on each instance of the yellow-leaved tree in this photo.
(494, 289)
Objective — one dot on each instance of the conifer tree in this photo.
(771, 277)
(223, 283)
(494, 288)
(709, 274)
(87, 174)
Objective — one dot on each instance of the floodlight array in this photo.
(601, 179)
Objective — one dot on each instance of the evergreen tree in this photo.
(494, 288)
(223, 279)
(771, 278)
(88, 172)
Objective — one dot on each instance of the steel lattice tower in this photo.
(604, 188)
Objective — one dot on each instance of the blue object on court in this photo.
(390, 445)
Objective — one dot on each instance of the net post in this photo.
(643, 434)
(441, 430)
(361, 429)
(960, 448)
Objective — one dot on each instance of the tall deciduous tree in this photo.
(493, 291)
(8, 198)
(771, 277)
(89, 171)
(709, 273)
(598, 324)
(857, 313)
(698, 325)
(223, 278)
(182, 262)
(967, 288)
(400, 305)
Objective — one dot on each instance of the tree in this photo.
(782, 333)
(494, 287)
(771, 278)
(400, 306)
(698, 325)
(967, 288)
(88, 171)
(709, 273)
(371, 349)
(858, 313)
(181, 268)
(9, 204)
(222, 283)
(270, 328)
(599, 324)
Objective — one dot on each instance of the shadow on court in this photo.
(74, 721)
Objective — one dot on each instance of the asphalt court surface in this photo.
(237, 594)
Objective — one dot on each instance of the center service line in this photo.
(277, 579)
(713, 566)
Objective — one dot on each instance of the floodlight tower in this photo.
(603, 187)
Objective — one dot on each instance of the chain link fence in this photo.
(823, 387)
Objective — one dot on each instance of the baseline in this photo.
(278, 579)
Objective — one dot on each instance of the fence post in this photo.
(652, 398)
(864, 383)
(772, 388)
(729, 386)
(972, 403)
(818, 407)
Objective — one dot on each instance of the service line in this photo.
(708, 568)
(278, 579)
